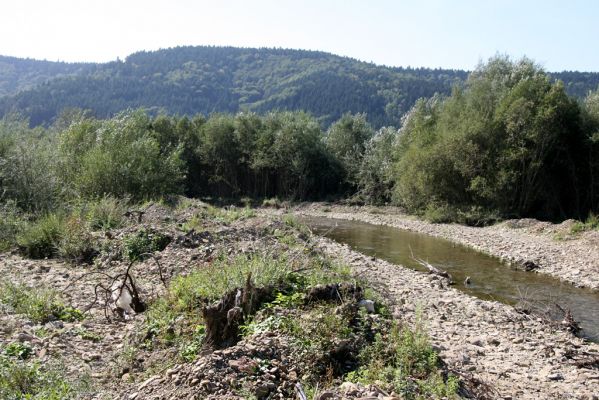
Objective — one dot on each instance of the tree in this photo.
(346, 140)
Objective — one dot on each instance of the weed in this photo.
(39, 304)
(195, 223)
(76, 242)
(107, 213)
(87, 335)
(405, 359)
(22, 380)
(190, 349)
(142, 242)
(40, 238)
(230, 214)
(592, 222)
(271, 203)
(19, 350)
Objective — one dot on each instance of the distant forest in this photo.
(507, 142)
(206, 80)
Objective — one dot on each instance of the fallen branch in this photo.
(431, 269)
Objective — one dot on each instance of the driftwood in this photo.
(569, 323)
(530, 266)
(120, 286)
(431, 268)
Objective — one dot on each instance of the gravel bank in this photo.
(574, 259)
(520, 357)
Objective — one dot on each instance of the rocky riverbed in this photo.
(521, 357)
(548, 248)
(494, 350)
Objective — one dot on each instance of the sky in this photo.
(559, 35)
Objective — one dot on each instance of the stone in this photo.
(327, 395)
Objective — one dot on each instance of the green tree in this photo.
(346, 140)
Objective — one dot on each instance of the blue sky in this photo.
(559, 35)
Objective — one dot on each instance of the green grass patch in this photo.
(57, 234)
(22, 351)
(592, 222)
(38, 304)
(21, 380)
(405, 360)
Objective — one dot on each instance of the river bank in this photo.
(551, 248)
(521, 357)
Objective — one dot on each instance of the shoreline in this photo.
(574, 259)
(519, 356)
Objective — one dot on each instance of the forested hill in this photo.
(17, 74)
(191, 80)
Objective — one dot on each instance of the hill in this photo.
(191, 80)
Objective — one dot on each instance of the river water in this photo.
(490, 279)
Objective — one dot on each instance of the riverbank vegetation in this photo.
(509, 142)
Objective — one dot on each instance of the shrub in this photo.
(19, 350)
(120, 156)
(405, 359)
(107, 213)
(40, 238)
(11, 224)
(57, 235)
(143, 242)
(76, 242)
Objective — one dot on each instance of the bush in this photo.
(40, 239)
(405, 360)
(510, 140)
(19, 350)
(76, 242)
(106, 213)
(120, 156)
(11, 224)
(143, 242)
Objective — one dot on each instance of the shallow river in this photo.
(490, 279)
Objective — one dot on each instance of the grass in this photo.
(22, 351)
(405, 360)
(40, 238)
(38, 304)
(57, 235)
(21, 380)
(591, 223)
(229, 215)
(175, 319)
(106, 213)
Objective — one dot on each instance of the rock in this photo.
(327, 395)
(556, 376)
(349, 388)
(261, 390)
(368, 305)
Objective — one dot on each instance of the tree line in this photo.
(509, 142)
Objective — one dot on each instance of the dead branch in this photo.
(431, 269)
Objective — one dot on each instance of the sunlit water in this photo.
(490, 279)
